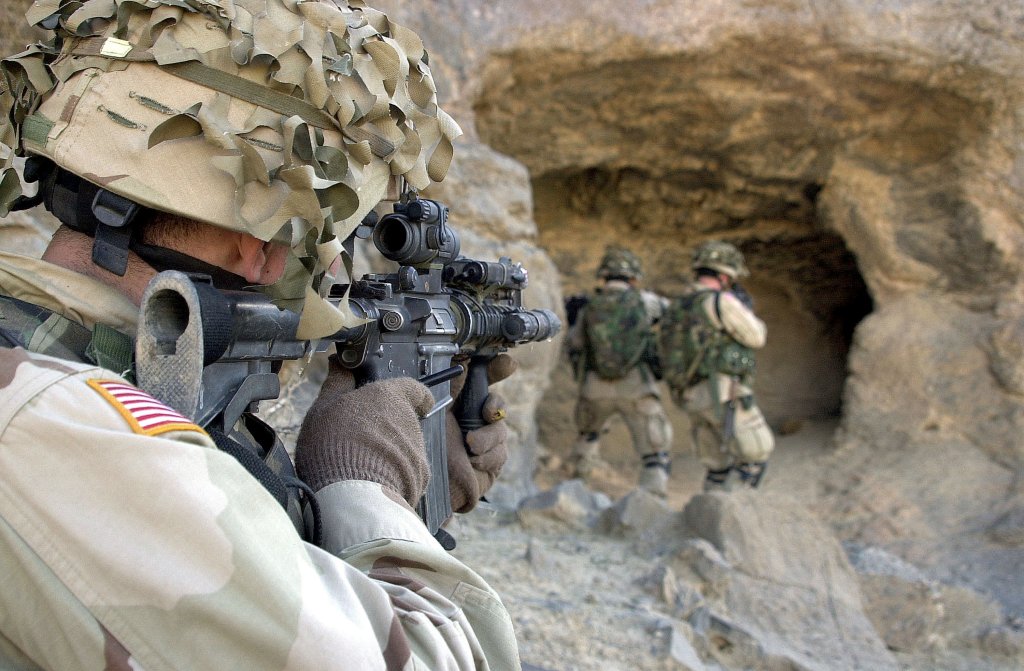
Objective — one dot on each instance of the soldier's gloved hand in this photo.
(475, 462)
(371, 433)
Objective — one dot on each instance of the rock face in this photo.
(781, 586)
(868, 159)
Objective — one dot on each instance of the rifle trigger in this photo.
(438, 407)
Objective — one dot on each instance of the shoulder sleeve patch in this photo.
(144, 414)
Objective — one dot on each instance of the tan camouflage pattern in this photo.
(645, 418)
(737, 320)
(753, 439)
(116, 109)
(122, 550)
(81, 299)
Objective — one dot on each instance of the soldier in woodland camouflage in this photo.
(611, 344)
(706, 343)
(244, 140)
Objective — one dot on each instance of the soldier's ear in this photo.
(252, 257)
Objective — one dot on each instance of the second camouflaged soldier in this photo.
(707, 343)
(612, 345)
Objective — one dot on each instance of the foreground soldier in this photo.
(706, 343)
(611, 344)
(255, 135)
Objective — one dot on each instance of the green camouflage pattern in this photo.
(620, 262)
(617, 332)
(721, 256)
(692, 348)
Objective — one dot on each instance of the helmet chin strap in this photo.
(164, 258)
(113, 232)
(113, 222)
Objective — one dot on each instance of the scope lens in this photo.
(394, 237)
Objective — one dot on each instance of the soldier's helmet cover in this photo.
(722, 257)
(619, 262)
(286, 119)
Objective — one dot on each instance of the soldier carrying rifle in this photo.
(707, 342)
(209, 161)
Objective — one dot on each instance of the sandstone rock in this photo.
(867, 160)
(783, 588)
(917, 615)
(681, 650)
(1007, 357)
(1009, 528)
(637, 512)
(569, 503)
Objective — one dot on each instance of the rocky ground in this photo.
(605, 578)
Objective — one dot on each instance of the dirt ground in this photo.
(582, 600)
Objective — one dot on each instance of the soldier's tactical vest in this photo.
(252, 442)
(618, 332)
(691, 348)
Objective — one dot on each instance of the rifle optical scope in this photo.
(417, 234)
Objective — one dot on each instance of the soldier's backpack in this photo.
(691, 348)
(618, 332)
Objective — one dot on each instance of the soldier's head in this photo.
(283, 121)
(721, 260)
(619, 263)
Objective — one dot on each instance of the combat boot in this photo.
(751, 473)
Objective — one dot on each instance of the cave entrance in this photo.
(804, 280)
(781, 149)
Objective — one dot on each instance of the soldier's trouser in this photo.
(645, 418)
(751, 443)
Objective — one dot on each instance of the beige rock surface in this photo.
(869, 160)
(866, 157)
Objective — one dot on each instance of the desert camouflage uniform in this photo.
(752, 441)
(636, 397)
(147, 548)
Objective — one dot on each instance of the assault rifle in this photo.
(212, 355)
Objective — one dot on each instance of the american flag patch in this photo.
(144, 414)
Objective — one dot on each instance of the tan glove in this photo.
(474, 463)
(371, 433)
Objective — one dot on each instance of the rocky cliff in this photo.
(868, 158)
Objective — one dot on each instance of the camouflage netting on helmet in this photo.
(287, 119)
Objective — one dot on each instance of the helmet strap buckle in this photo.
(114, 215)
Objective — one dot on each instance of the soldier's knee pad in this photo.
(753, 437)
(656, 425)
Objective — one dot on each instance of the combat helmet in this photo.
(287, 120)
(720, 256)
(619, 262)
